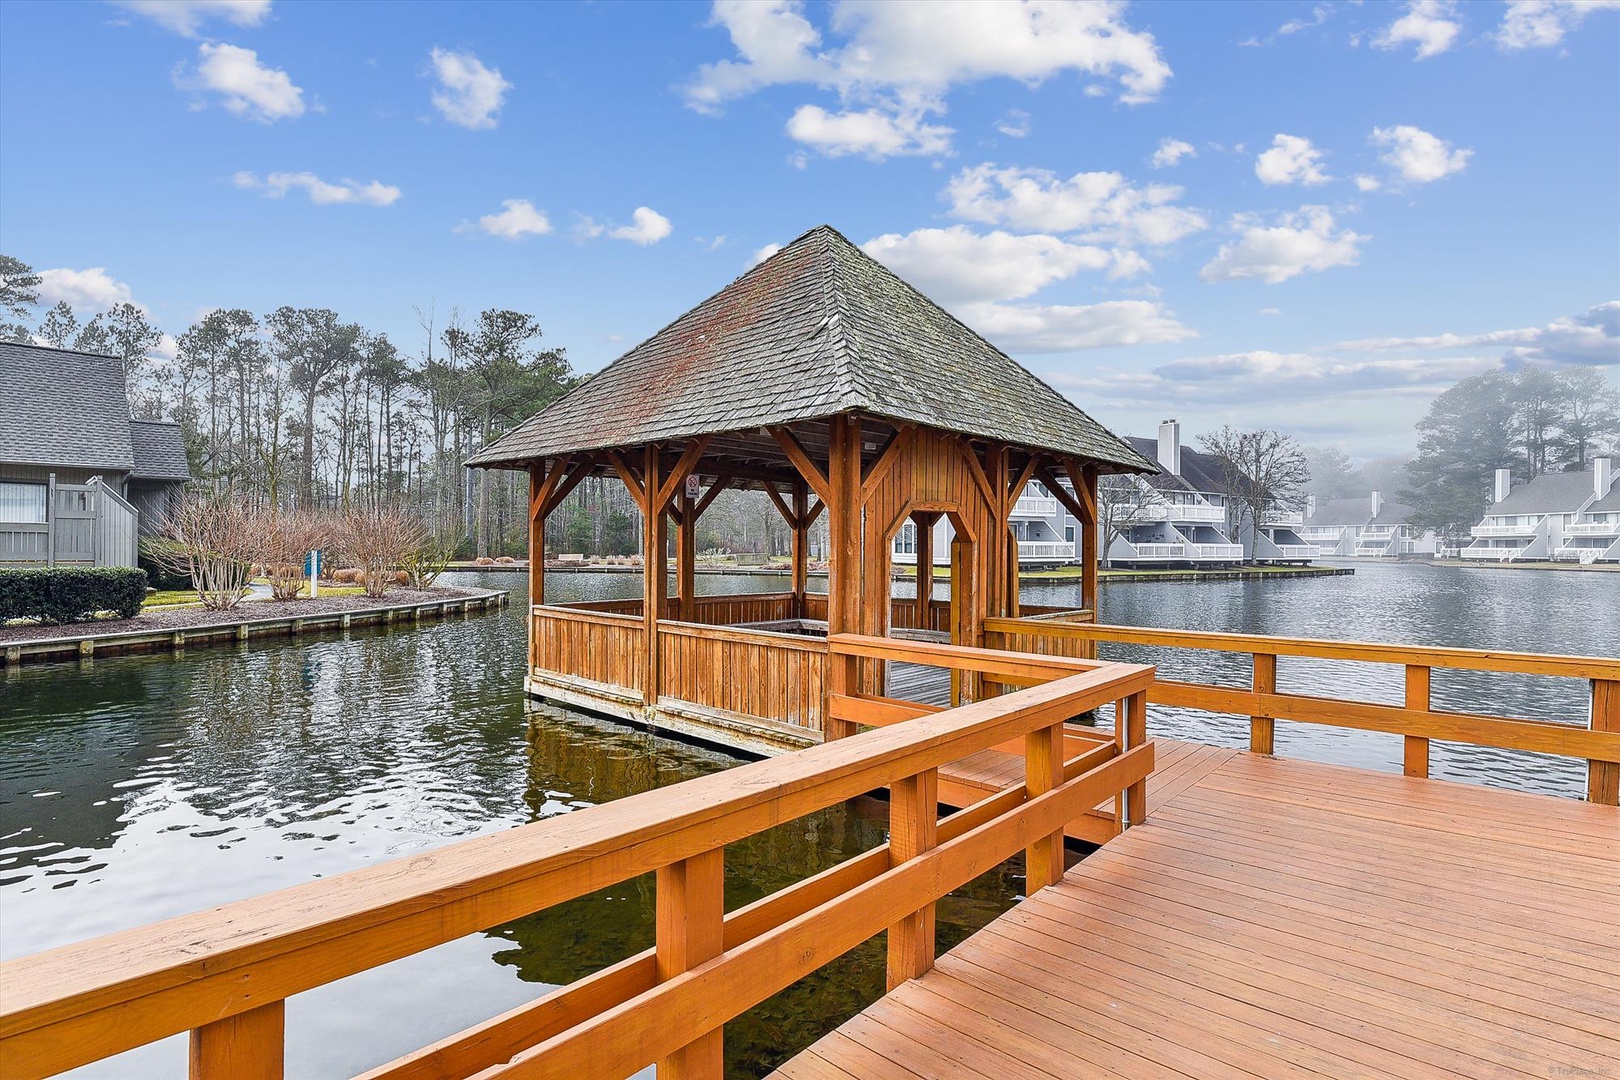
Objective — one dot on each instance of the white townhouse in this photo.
(1365, 528)
(1176, 516)
(1568, 516)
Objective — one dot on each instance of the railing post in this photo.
(1415, 754)
(1263, 729)
(1603, 777)
(841, 675)
(690, 912)
(1043, 771)
(913, 829)
(251, 1045)
(1136, 735)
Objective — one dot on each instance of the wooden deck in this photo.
(1282, 918)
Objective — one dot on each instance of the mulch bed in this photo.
(179, 618)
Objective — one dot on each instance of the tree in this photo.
(1122, 500)
(19, 295)
(310, 345)
(1538, 404)
(379, 539)
(1588, 416)
(60, 326)
(125, 332)
(1262, 470)
(1470, 431)
(1333, 475)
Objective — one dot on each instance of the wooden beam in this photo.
(631, 478)
(1023, 478)
(677, 475)
(892, 451)
(801, 546)
(720, 484)
(1415, 749)
(251, 1045)
(1603, 777)
(844, 582)
(575, 477)
(788, 515)
(977, 470)
(1262, 729)
(1059, 492)
(654, 572)
(913, 830)
(815, 512)
(795, 452)
(685, 557)
(540, 498)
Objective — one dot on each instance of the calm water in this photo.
(137, 788)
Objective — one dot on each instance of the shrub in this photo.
(213, 541)
(287, 539)
(428, 560)
(379, 540)
(156, 558)
(63, 594)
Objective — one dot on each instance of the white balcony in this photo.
(1215, 551)
(1201, 513)
(1299, 551)
(1284, 517)
(1159, 551)
(1505, 530)
(1045, 550)
(1593, 528)
(1035, 506)
(1379, 536)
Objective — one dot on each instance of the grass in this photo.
(165, 598)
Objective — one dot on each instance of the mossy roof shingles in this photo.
(818, 329)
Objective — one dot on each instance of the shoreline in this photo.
(1034, 577)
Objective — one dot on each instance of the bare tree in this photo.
(287, 539)
(380, 539)
(1122, 501)
(213, 541)
(1261, 470)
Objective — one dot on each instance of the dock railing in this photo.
(224, 974)
(1415, 719)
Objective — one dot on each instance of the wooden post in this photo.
(1136, 735)
(248, 1046)
(844, 526)
(1415, 755)
(655, 556)
(801, 546)
(924, 524)
(995, 599)
(690, 915)
(962, 621)
(1263, 729)
(841, 679)
(1012, 574)
(913, 830)
(1043, 771)
(1603, 777)
(686, 558)
(1086, 489)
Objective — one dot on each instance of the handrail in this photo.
(224, 973)
(1416, 719)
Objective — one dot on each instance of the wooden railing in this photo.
(1416, 719)
(779, 677)
(905, 615)
(224, 974)
(601, 646)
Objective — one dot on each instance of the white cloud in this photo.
(871, 133)
(1291, 160)
(647, 226)
(957, 265)
(93, 288)
(1368, 183)
(321, 192)
(518, 218)
(468, 93)
(1038, 328)
(1100, 206)
(902, 58)
(246, 87)
(1170, 153)
(185, 17)
(1297, 242)
(1270, 311)
(1015, 125)
(762, 254)
(1319, 15)
(1429, 24)
(1418, 156)
(1541, 24)
(1592, 337)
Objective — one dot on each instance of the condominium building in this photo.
(1569, 516)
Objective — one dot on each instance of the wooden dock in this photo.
(1283, 918)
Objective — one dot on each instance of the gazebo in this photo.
(824, 380)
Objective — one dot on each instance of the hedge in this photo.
(157, 559)
(65, 594)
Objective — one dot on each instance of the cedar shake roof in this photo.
(63, 408)
(817, 330)
(1549, 493)
(160, 451)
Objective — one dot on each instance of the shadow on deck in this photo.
(1284, 918)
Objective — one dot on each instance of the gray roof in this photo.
(1392, 513)
(1609, 504)
(160, 450)
(1199, 471)
(817, 330)
(63, 408)
(1342, 512)
(1549, 493)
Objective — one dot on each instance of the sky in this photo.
(1306, 216)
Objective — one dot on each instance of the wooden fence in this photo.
(756, 673)
(86, 525)
(1415, 719)
(224, 974)
(597, 645)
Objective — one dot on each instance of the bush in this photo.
(157, 558)
(65, 594)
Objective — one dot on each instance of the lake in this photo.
(141, 787)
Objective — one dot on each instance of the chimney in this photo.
(1377, 502)
(1504, 484)
(1170, 446)
(1310, 507)
(1602, 475)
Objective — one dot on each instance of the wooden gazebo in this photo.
(824, 380)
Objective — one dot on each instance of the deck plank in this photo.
(1284, 918)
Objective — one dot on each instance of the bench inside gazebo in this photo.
(822, 379)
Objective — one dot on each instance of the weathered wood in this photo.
(913, 830)
(248, 1046)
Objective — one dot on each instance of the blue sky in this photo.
(1307, 216)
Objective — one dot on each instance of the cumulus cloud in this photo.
(871, 133)
(186, 17)
(1541, 24)
(1592, 337)
(647, 226)
(93, 288)
(1296, 242)
(1170, 153)
(1417, 156)
(903, 57)
(1431, 25)
(468, 93)
(1100, 206)
(246, 87)
(957, 265)
(761, 254)
(1368, 183)
(1291, 160)
(321, 192)
(518, 218)
(1043, 328)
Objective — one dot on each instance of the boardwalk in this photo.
(1281, 918)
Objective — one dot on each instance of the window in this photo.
(22, 503)
(1068, 534)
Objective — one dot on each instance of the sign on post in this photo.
(692, 488)
(312, 570)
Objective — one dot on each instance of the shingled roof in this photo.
(63, 408)
(817, 330)
(160, 450)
